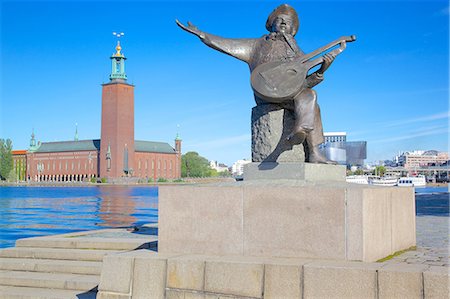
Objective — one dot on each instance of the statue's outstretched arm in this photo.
(239, 48)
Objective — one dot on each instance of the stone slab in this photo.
(186, 273)
(304, 220)
(206, 220)
(294, 171)
(283, 281)
(328, 279)
(294, 222)
(116, 274)
(401, 281)
(436, 282)
(234, 278)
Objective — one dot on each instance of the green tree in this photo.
(6, 159)
(194, 165)
(359, 172)
(380, 170)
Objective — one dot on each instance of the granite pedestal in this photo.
(287, 218)
(294, 171)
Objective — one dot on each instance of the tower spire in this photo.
(76, 132)
(32, 140)
(118, 61)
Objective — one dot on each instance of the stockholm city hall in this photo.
(115, 155)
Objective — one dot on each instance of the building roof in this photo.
(327, 134)
(94, 145)
(69, 146)
(153, 147)
(19, 152)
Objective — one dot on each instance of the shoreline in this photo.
(184, 181)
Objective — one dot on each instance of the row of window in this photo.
(153, 164)
(40, 166)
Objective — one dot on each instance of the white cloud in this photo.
(420, 119)
(430, 131)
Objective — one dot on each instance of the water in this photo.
(36, 211)
(432, 201)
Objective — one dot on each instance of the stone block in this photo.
(294, 171)
(436, 281)
(149, 277)
(200, 219)
(401, 281)
(403, 211)
(327, 279)
(285, 221)
(234, 278)
(271, 125)
(286, 218)
(377, 223)
(186, 272)
(116, 274)
(283, 281)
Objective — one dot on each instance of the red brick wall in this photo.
(117, 128)
(62, 166)
(156, 165)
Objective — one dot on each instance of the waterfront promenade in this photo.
(72, 266)
(30, 272)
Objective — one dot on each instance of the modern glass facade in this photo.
(350, 153)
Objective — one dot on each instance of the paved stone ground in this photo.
(432, 243)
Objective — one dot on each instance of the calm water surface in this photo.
(35, 211)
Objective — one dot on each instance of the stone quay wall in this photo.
(146, 274)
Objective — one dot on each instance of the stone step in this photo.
(87, 242)
(51, 266)
(49, 280)
(56, 253)
(11, 292)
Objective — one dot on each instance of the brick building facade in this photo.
(117, 154)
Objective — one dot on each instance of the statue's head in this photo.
(284, 18)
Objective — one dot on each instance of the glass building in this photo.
(337, 148)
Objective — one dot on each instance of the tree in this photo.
(380, 170)
(359, 172)
(6, 160)
(194, 165)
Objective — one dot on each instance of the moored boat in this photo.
(413, 181)
(357, 179)
(383, 181)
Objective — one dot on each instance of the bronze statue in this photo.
(279, 72)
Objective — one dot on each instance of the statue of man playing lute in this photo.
(279, 72)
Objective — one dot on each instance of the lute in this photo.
(278, 81)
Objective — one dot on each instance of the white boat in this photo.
(412, 181)
(383, 181)
(357, 179)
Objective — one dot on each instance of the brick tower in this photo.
(117, 135)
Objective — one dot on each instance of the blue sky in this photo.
(390, 87)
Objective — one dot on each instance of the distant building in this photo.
(20, 164)
(219, 167)
(116, 154)
(337, 148)
(416, 159)
(335, 136)
(238, 167)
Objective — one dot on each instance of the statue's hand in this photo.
(191, 29)
(327, 61)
